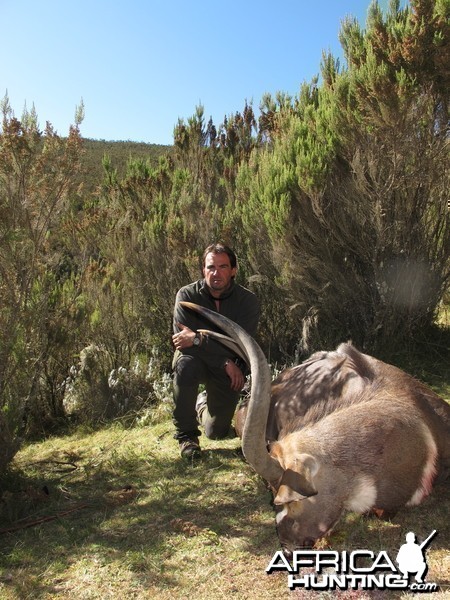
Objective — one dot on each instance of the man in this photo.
(201, 360)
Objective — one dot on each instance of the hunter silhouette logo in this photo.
(411, 556)
(359, 569)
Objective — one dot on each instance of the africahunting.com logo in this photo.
(358, 569)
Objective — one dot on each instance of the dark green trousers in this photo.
(188, 373)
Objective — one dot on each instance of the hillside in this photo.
(120, 153)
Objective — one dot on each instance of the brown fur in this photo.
(344, 430)
(351, 433)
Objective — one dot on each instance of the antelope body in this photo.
(342, 431)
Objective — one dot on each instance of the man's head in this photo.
(219, 268)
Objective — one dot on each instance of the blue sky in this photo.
(140, 65)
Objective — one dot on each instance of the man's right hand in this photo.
(184, 338)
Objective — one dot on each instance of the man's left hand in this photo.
(236, 376)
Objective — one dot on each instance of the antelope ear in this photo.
(298, 484)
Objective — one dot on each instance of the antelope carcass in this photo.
(342, 431)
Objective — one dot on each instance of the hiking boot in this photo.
(190, 448)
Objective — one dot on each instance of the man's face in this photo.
(218, 272)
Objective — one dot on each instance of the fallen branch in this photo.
(73, 466)
(44, 519)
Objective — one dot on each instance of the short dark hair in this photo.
(219, 248)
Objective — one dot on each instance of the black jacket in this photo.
(238, 304)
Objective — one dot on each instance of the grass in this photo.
(145, 523)
(117, 513)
